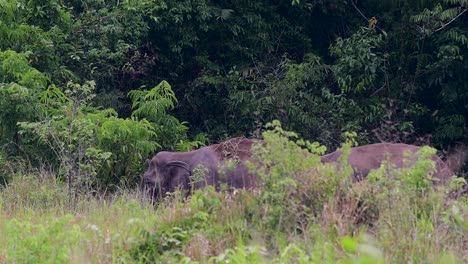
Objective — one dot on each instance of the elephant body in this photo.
(212, 165)
(224, 163)
(365, 158)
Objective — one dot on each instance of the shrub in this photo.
(47, 242)
(93, 147)
(295, 185)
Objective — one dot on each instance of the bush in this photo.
(93, 148)
(295, 184)
(302, 212)
(47, 242)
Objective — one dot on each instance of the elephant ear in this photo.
(180, 164)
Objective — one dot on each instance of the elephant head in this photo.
(168, 171)
(165, 174)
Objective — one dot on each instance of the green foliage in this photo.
(39, 29)
(152, 105)
(199, 140)
(419, 209)
(15, 68)
(19, 85)
(431, 21)
(358, 64)
(361, 250)
(48, 242)
(293, 93)
(241, 255)
(291, 188)
(95, 148)
(170, 240)
(236, 66)
(154, 102)
(69, 133)
(157, 244)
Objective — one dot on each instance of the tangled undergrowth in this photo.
(303, 212)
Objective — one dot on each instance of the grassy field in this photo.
(303, 212)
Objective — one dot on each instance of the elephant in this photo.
(224, 163)
(217, 164)
(365, 158)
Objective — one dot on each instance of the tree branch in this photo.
(453, 19)
(367, 19)
(359, 11)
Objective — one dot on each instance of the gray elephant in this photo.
(217, 164)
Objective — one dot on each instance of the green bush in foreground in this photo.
(302, 212)
(51, 241)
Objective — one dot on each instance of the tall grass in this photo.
(302, 212)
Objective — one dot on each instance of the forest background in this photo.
(95, 88)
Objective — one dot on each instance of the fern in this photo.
(130, 135)
(154, 103)
(439, 17)
(463, 3)
(16, 66)
(457, 36)
(448, 14)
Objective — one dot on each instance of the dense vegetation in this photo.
(303, 212)
(387, 70)
(91, 89)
